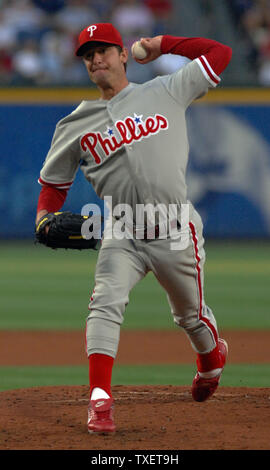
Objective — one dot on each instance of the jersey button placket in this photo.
(111, 121)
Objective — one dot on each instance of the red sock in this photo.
(209, 361)
(100, 372)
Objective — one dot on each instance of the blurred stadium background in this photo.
(228, 175)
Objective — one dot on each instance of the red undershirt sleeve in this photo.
(51, 199)
(213, 57)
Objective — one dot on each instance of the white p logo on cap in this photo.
(91, 29)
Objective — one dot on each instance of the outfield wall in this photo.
(228, 174)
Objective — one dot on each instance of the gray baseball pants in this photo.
(123, 263)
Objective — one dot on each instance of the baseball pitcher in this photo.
(132, 147)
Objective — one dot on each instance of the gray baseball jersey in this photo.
(133, 147)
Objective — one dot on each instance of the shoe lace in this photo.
(208, 383)
(100, 415)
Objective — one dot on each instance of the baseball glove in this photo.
(64, 231)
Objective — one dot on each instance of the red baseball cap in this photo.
(99, 32)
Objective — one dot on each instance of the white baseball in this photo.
(138, 50)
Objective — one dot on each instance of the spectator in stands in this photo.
(256, 23)
(57, 52)
(264, 73)
(103, 9)
(264, 61)
(23, 17)
(8, 37)
(76, 15)
(133, 18)
(27, 64)
(56, 47)
(162, 12)
(6, 67)
(50, 6)
(239, 7)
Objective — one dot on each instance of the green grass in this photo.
(45, 289)
(235, 375)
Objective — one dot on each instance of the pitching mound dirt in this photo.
(159, 417)
(147, 418)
